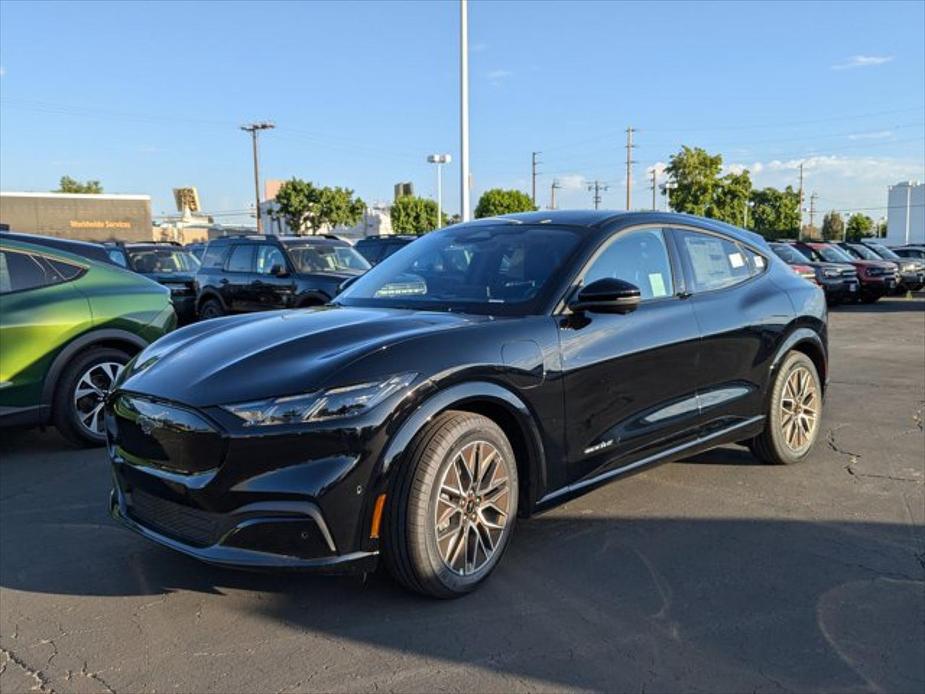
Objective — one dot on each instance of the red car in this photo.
(877, 277)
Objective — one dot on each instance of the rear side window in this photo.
(66, 271)
(117, 255)
(21, 271)
(242, 259)
(756, 261)
(713, 262)
(214, 256)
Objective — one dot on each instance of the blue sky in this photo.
(148, 96)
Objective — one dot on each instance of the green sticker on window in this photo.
(657, 283)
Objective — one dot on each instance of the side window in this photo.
(117, 255)
(714, 262)
(757, 262)
(267, 257)
(242, 259)
(19, 271)
(640, 257)
(214, 256)
(66, 271)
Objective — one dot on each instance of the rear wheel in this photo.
(80, 395)
(211, 308)
(794, 415)
(452, 507)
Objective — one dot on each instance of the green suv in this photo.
(67, 327)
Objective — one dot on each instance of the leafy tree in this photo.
(881, 228)
(859, 225)
(499, 201)
(730, 198)
(695, 173)
(335, 207)
(414, 215)
(833, 227)
(776, 213)
(294, 201)
(72, 185)
(305, 206)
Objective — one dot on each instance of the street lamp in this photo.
(464, 110)
(439, 160)
(253, 129)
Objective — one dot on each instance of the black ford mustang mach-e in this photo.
(487, 371)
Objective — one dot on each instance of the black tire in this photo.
(64, 410)
(772, 446)
(211, 308)
(410, 548)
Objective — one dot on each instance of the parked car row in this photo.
(849, 271)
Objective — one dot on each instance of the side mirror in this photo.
(279, 271)
(607, 295)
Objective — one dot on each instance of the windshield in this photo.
(884, 252)
(788, 253)
(154, 260)
(326, 257)
(864, 252)
(833, 254)
(479, 268)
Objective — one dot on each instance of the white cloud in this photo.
(572, 181)
(863, 61)
(878, 135)
(2, 71)
(497, 76)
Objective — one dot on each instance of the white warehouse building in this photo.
(906, 214)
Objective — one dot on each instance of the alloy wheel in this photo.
(473, 506)
(799, 411)
(90, 394)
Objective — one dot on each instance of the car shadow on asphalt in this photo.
(811, 605)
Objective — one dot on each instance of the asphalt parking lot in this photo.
(712, 574)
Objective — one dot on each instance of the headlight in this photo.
(908, 267)
(831, 274)
(312, 407)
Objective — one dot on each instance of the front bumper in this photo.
(192, 481)
(840, 288)
(221, 553)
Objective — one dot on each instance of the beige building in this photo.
(81, 216)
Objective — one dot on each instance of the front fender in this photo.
(460, 396)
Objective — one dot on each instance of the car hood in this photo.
(885, 264)
(276, 353)
(825, 265)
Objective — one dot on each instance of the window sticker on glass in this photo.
(736, 259)
(759, 261)
(657, 284)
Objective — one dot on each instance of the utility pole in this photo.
(812, 207)
(439, 160)
(654, 187)
(552, 194)
(253, 129)
(629, 165)
(464, 110)
(800, 207)
(598, 188)
(533, 175)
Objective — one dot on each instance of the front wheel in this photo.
(211, 308)
(452, 507)
(795, 411)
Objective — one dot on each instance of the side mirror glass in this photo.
(606, 295)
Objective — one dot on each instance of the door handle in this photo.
(223, 280)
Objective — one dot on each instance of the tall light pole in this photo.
(253, 129)
(464, 110)
(439, 160)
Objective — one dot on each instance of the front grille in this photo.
(849, 273)
(154, 433)
(190, 525)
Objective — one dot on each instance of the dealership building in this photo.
(88, 217)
